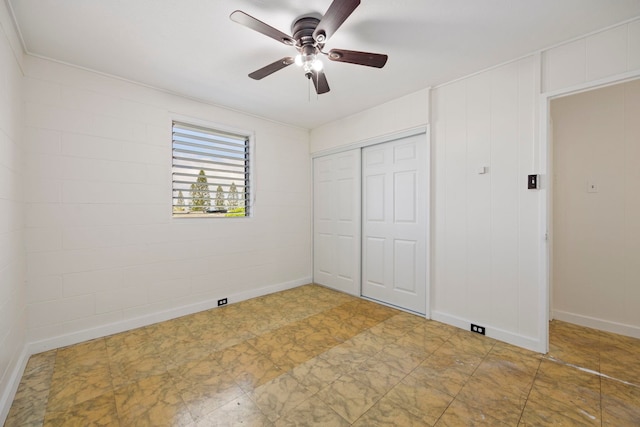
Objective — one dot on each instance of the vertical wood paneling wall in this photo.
(486, 222)
(608, 53)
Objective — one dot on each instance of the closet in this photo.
(371, 207)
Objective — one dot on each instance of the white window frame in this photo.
(214, 127)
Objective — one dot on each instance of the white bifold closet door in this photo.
(336, 221)
(394, 222)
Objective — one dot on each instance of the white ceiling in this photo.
(192, 48)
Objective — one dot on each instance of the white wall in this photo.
(596, 235)
(407, 112)
(487, 237)
(488, 242)
(104, 253)
(12, 255)
(601, 55)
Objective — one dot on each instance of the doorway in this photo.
(595, 208)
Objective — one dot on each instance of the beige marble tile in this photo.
(207, 396)
(197, 372)
(574, 344)
(315, 374)
(492, 399)
(132, 368)
(349, 398)
(537, 414)
(461, 414)
(313, 356)
(509, 372)
(152, 401)
(278, 396)
(567, 390)
(28, 410)
(370, 343)
(387, 413)
(84, 356)
(256, 373)
(469, 343)
(379, 373)
(135, 341)
(71, 388)
(420, 343)
(426, 403)
(240, 411)
(446, 370)
(30, 402)
(620, 403)
(100, 411)
(311, 412)
(399, 358)
(346, 357)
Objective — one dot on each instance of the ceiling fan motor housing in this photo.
(303, 30)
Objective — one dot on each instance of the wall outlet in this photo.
(222, 301)
(477, 329)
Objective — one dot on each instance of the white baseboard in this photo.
(496, 333)
(6, 398)
(114, 328)
(149, 319)
(595, 323)
(31, 348)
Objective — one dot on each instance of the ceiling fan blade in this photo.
(320, 82)
(255, 24)
(337, 13)
(360, 58)
(271, 68)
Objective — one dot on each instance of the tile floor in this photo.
(312, 356)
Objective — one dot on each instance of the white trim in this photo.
(12, 385)
(541, 135)
(149, 319)
(373, 141)
(593, 84)
(595, 323)
(529, 343)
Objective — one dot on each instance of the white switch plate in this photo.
(592, 187)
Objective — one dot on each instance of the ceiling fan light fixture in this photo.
(308, 61)
(317, 65)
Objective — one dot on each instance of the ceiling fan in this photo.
(309, 36)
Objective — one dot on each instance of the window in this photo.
(210, 172)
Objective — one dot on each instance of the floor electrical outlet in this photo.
(222, 301)
(474, 328)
